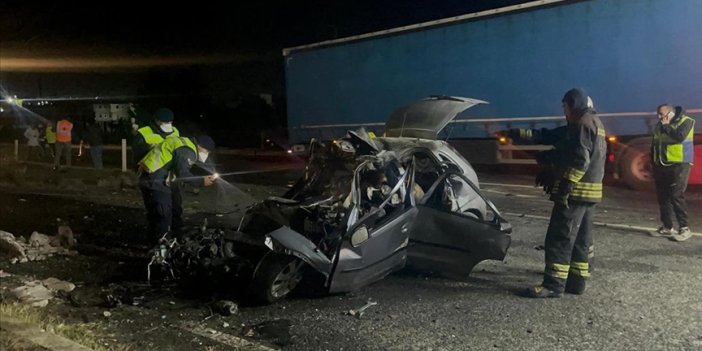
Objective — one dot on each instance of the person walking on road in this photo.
(64, 128)
(576, 192)
(672, 153)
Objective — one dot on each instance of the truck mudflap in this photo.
(292, 243)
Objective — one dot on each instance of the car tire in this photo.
(635, 166)
(276, 276)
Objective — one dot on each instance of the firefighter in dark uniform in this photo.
(672, 151)
(548, 162)
(577, 190)
(162, 169)
(149, 136)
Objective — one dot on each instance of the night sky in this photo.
(249, 30)
(200, 59)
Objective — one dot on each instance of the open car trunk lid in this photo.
(426, 118)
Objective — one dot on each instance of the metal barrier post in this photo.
(16, 150)
(124, 155)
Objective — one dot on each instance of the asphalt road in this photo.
(645, 293)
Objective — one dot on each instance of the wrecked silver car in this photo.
(364, 208)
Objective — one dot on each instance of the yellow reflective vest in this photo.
(667, 150)
(50, 135)
(152, 138)
(162, 154)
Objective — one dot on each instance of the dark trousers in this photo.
(96, 155)
(65, 149)
(164, 207)
(568, 245)
(35, 153)
(671, 183)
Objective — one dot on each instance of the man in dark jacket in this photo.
(672, 152)
(148, 137)
(578, 189)
(93, 136)
(162, 170)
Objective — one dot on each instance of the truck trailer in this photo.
(629, 55)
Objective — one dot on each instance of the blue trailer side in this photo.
(630, 55)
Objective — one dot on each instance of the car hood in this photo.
(426, 118)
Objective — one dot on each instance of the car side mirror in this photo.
(502, 225)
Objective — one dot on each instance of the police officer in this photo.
(575, 194)
(162, 169)
(149, 136)
(672, 151)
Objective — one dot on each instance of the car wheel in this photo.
(637, 171)
(276, 277)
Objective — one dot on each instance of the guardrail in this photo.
(505, 153)
(124, 148)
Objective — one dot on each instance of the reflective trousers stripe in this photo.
(557, 270)
(580, 268)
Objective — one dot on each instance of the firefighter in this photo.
(672, 151)
(162, 170)
(575, 193)
(149, 136)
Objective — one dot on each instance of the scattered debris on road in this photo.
(38, 247)
(359, 312)
(226, 308)
(38, 293)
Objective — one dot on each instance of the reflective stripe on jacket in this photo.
(162, 154)
(668, 149)
(585, 156)
(63, 131)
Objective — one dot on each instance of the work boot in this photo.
(575, 285)
(663, 231)
(540, 291)
(683, 234)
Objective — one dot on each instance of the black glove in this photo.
(545, 157)
(546, 178)
(564, 188)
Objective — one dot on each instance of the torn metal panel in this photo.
(297, 245)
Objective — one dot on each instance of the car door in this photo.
(375, 245)
(450, 239)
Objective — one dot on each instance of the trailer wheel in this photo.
(276, 277)
(636, 167)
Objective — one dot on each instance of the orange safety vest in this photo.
(63, 131)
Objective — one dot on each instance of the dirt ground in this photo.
(105, 211)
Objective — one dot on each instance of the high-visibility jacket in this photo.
(674, 143)
(584, 158)
(162, 154)
(63, 131)
(50, 135)
(152, 138)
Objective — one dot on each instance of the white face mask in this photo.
(202, 156)
(166, 127)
